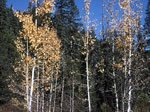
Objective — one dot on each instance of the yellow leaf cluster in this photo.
(119, 66)
(92, 41)
(101, 70)
(29, 27)
(44, 42)
(47, 7)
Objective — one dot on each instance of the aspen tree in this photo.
(70, 101)
(51, 93)
(54, 107)
(43, 79)
(73, 83)
(33, 69)
(62, 95)
(129, 27)
(32, 86)
(27, 74)
(38, 77)
(87, 9)
(44, 43)
(114, 26)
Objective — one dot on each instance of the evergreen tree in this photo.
(8, 32)
(67, 22)
(147, 19)
(147, 26)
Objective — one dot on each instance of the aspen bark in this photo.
(114, 75)
(51, 93)
(43, 102)
(87, 73)
(62, 95)
(125, 78)
(27, 77)
(70, 100)
(55, 94)
(87, 8)
(72, 83)
(73, 94)
(37, 108)
(129, 73)
(130, 62)
(31, 91)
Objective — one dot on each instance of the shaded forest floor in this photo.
(16, 107)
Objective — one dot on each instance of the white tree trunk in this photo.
(27, 87)
(55, 94)
(70, 100)
(27, 77)
(51, 93)
(125, 80)
(40, 106)
(62, 95)
(129, 73)
(37, 108)
(43, 90)
(43, 102)
(114, 75)
(31, 91)
(130, 62)
(87, 74)
(73, 94)
(87, 8)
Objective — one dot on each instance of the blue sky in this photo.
(96, 9)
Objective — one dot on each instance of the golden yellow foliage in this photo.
(43, 43)
(47, 7)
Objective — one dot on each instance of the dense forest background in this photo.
(51, 60)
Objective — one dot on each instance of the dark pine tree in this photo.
(147, 26)
(67, 21)
(9, 27)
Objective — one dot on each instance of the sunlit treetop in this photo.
(47, 7)
(43, 41)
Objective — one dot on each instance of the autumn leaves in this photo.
(44, 43)
(38, 46)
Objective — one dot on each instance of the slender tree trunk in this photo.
(38, 90)
(129, 73)
(55, 95)
(124, 80)
(73, 94)
(51, 93)
(62, 95)
(40, 109)
(72, 103)
(43, 90)
(43, 96)
(87, 8)
(31, 91)
(27, 77)
(87, 73)
(70, 100)
(114, 75)
(130, 63)
(35, 54)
